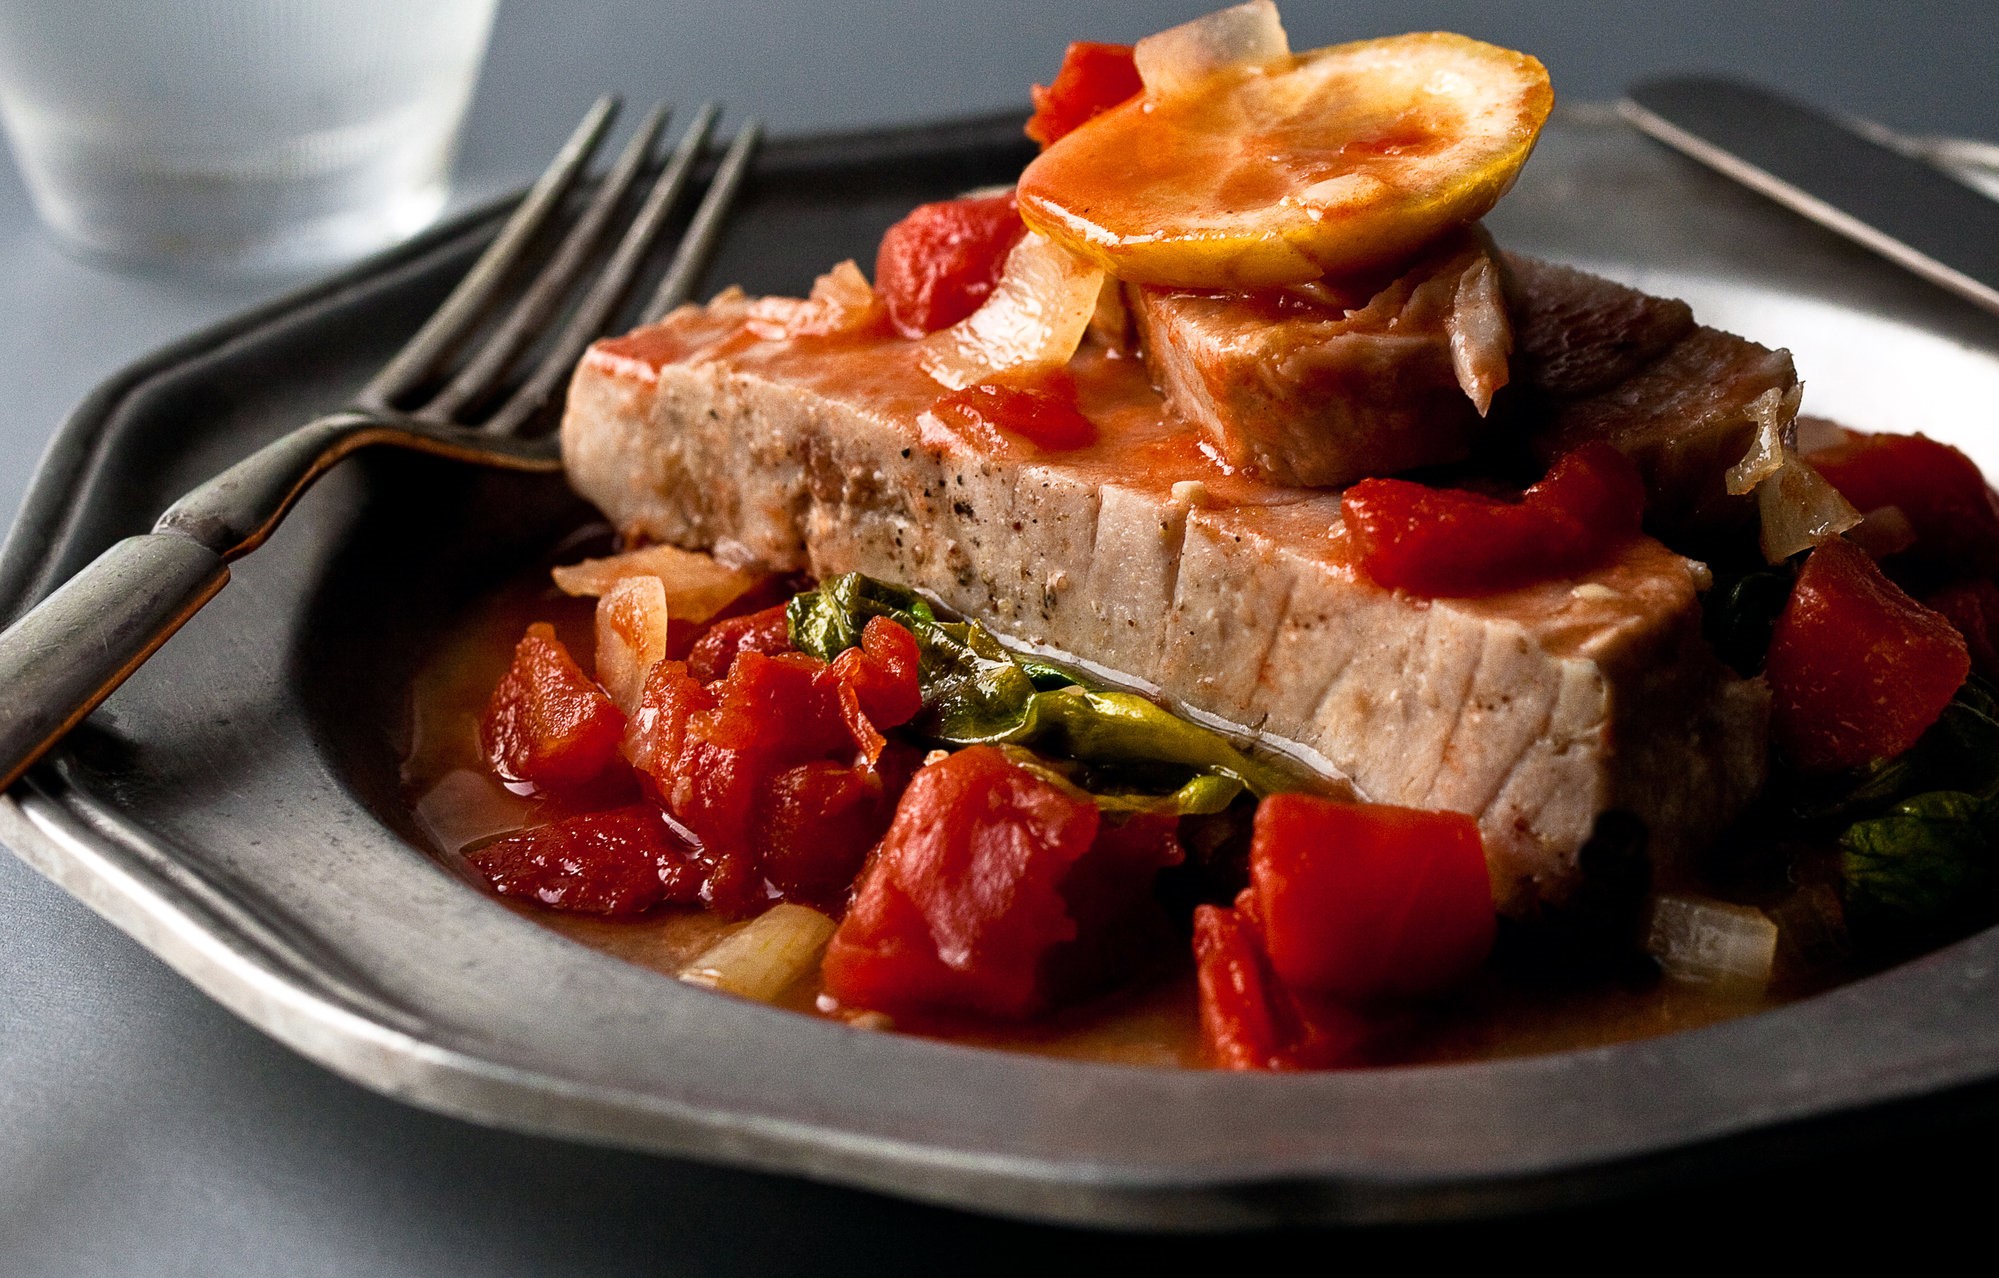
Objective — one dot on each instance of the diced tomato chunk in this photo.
(620, 862)
(778, 706)
(883, 673)
(940, 263)
(547, 723)
(1364, 902)
(1972, 608)
(715, 651)
(1046, 417)
(1122, 928)
(963, 901)
(816, 823)
(1858, 670)
(1939, 490)
(1250, 1020)
(1093, 79)
(1238, 1026)
(1448, 543)
(775, 768)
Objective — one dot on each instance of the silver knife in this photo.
(1901, 206)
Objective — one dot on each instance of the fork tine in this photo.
(420, 356)
(531, 314)
(611, 285)
(697, 246)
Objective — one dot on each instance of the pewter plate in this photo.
(235, 806)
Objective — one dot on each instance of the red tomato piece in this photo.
(1122, 929)
(1939, 490)
(620, 862)
(816, 823)
(1093, 79)
(760, 767)
(883, 673)
(547, 723)
(779, 707)
(940, 263)
(1363, 902)
(1858, 670)
(1972, 608)
(990, 412)
(1238, 1027)
(963, 899)
(1449, 543)
(1249, 1019)
(715, 651)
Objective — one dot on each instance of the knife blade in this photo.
(1901, 207)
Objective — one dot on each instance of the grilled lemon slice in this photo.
(1320, 163)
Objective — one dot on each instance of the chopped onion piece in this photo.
(631, 637)
(697, 586)
(1800, 509)
(1883, 531)
(1712, 942)
(1110, 323)
(1178, 59)
(842, 301)
(1034, 320)
(766, 956)
(1773, 411)
(1480, 331)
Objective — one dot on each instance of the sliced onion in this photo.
(842, 301)
(1800, 509)
(1480, 332)
(1033, 321)
(1110, 323)
(766, 956)
(631, 637)
(1883, 531)
(697, 586)
(1178, 59)
(1711, 942)
(1773, 411)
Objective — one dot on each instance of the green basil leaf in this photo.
(1926, 862)
(1203, 794)
(1116, 726)
(1739, 615)
(819, 625)
(1126, 752)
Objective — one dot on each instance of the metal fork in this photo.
(62, 658)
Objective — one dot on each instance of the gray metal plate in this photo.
(235, 806)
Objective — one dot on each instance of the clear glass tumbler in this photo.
(237, 135)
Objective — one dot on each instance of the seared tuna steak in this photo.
(1307, 386)
(1604, 361)
(1537, 710)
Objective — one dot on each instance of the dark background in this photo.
(144, 1131)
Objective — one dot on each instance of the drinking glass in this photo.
(240, 135)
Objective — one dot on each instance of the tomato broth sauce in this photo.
(1511, 1008)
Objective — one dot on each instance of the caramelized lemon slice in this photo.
(1339, 159)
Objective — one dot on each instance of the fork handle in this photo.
(73, 648)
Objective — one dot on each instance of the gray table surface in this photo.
(145, 1131)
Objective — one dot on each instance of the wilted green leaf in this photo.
(1926, 861)
(1129, 753)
